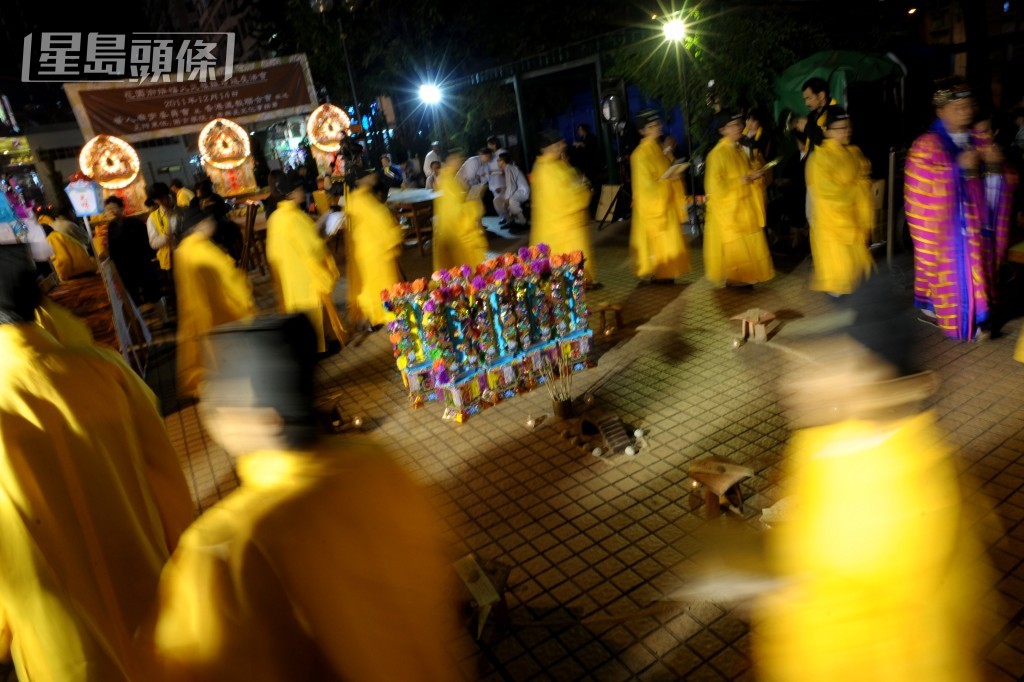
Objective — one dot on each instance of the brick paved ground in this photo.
(594, 539)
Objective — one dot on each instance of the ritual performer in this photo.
(735, 248)
(945, 201)
(893, 584)
(376, 242)
(838, 177)
(162, 224)
(656, 245)
(303, 270)
(817, 98)
(1000, 185)
(70, 259)
(325, 564)
(92, 499)
(561, 198)
(211, 291)
(458, 232)
(61, 224)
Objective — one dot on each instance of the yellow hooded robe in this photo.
(735, 248)
(560, 203)
(322, 565)
(458, 235)
(883, 573)
(656, 245)
(92, 502)
(211, 291)
(841, 210)
(303, 269)
(376, 242)
(70, 259)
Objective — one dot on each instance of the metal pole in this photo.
(681, 61)
(890, 213)
(522, 121)
(351, 78)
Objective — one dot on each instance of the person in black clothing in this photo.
(128, 245)
(817, 99)
(228, 235)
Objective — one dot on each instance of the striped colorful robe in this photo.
(995, 232)
(944, 212)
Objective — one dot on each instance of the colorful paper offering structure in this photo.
(473, 336)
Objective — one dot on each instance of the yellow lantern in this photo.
(110, 161)
(224, 144)
(326, 127)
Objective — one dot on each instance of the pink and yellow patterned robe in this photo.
(944, 212)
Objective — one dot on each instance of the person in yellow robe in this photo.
(376, 242)
(735, 248)
(656, 245)
(162, 225)
(183, 196)
(458, 231)
(325, 564)
(92, 498)
(881, 575)
(841, 209)
(70, 259)
(210, 290)
(304, 271)
(560, 199)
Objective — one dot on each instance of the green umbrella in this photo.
(838, 67)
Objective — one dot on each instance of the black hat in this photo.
(646, 117)
(725, 117)
(287, 183)
(158, 191)
(266, 362)
(192, 216)
(19, 292)
(548, 137)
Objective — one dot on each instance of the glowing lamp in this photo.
(224, 144)
(110, 161)
(326, 127)
(675, 30)
(430, 94)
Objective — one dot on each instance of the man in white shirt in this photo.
(433, 155)
(517, 191)
(477, 169)
(496, 179)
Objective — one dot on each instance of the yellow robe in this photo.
(656, 245)
(303, 270)
(162, 222)
(1018, 352)
(560, 203)
(841, 209)
(184, 197)
(735, 248)
(92, 501)
(377, 242)
(458, 235)
(210, 291)
(70, 259)
(883, 575)
(322, 565)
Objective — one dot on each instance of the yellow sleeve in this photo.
(323, 273)
(649, 192)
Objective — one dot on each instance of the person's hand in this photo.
(968, 160)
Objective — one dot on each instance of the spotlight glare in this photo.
(911, 10)
(675, 30)
(430, 94)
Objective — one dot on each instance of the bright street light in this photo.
(675, 30)
(430, 94)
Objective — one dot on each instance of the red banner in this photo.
(259, 91)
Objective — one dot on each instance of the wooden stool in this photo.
(721, 478)
(604, 309)
(754, 323)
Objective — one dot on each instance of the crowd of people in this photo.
(105, 573)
